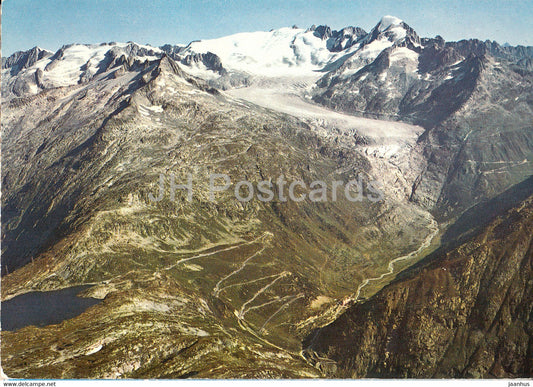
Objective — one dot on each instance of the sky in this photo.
(52, 23)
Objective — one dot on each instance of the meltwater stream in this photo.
(44, 308)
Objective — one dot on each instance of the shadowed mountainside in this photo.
(465, 313)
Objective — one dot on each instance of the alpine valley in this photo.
(433, 280)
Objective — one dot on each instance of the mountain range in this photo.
(434, 280)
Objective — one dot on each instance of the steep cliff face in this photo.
(466, 313)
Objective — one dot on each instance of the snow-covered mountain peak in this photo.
(273, 53)
(388, 21)
(389, 28)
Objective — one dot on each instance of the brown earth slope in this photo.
(466, 313)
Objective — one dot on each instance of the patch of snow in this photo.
(76, 60)
(67, 70)
(347, 72)
(201, 71)
(148, 47)
(398, 31)
(195, 331)
(372, 50)
(454, 64)
(150, 306)
(404, 57)
(155, 108)
(145, 110)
